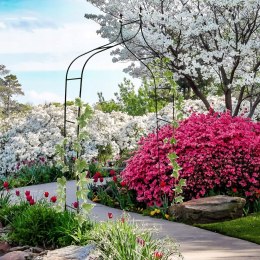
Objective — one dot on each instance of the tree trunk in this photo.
(228, 100)
(197, 92)
(252, 110)
(8, 106)
(239, 101)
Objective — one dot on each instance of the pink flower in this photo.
(162, 184)
(248, 193)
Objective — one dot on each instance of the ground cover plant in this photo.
(218, 154)
(247, 228)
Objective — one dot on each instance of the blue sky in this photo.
(40, 38)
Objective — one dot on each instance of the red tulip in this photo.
(75, 204)
(32, 202)
(17, 193)
(110, 215)
(123, 183)
(97, 175)
(28, 198)
(46, 194)
(6, 184)
(27, 193)
(234, 190)
(158, 255)
(112, 172)
(101, 179)
(114, 178)
(53, 199)
(140, 241)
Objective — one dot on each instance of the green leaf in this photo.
(82, 136)
(78, 194)
(76, 147)
(65, 169)
(182, 182)
(62, 181)
(173, 141)
(78, 102)
(175, 174)
(172, 157)
(178, 189)
(179, 117)
(87, 207)
(178, 199)
(80, 165)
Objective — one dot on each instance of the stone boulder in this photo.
(72, 253)
(208, 210)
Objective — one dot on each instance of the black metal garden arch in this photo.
(120, 40)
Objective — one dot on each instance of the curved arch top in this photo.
(119, 40)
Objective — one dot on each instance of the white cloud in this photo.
(57, 47)
(100, 62)
(41, 97)
(69, 38)
(2, 25)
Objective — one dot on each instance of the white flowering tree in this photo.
(212, 43)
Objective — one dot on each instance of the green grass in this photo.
(247, 228)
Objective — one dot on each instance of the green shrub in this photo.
(5, 197)
(9, 212)
(40, 225)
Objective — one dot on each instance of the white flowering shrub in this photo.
(36, 134)
(31, 137)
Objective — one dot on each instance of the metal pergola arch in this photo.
(118, 41)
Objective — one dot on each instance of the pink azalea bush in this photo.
(216, 152)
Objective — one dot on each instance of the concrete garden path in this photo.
(195, 243)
